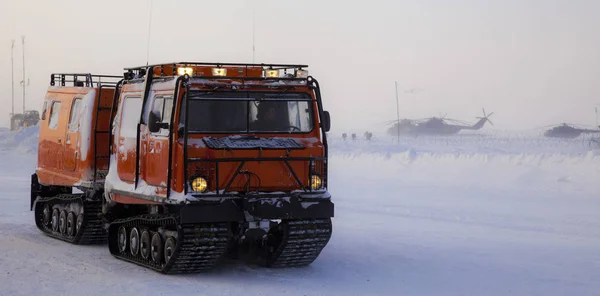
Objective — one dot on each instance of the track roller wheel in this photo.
(71, 224)
(62, 222)
(47, 214)
(134, 241)
(122, 239)
(156, 248)
(145, 244)
(79, 222)
(169, 248)
(55, 219)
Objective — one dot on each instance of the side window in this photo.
(167, 110)
(54, 111)
(300, 115)
(44, 110)
(157, 108)
(75, 115)
(162, 107)
(130, 117)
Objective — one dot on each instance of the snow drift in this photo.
(500, 214)
(23, 141)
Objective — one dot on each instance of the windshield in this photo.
(249, 113)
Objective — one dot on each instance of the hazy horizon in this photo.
(532, 63)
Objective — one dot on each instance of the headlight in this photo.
(199, 184)
(315, 182)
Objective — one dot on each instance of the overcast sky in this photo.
(533, 63)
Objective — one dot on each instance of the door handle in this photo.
(59, 140)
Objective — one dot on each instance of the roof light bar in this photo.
(185, 70)
(301, 73)
(271, 73)
(219, 72)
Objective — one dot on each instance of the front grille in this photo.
(260, 174)
(252, 143)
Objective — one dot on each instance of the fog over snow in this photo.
(532, 62)
(487, 214)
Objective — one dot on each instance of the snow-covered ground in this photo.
(498, 214)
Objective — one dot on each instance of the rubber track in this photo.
(199, 247)
(91, 232)
(302, 242)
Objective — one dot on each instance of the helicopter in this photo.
(568, 131)
(434, 125)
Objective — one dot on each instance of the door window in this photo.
(162, 107)
(75, 115)
(44, 110)
(132, 108)
(55, 110)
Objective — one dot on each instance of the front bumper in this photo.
(289, 208)
(235, 209)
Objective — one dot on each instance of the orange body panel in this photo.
(267, 176)
(154, 150)
(124, 199)
(66, 141)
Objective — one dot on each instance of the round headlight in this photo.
(315, 182)
(199, 184)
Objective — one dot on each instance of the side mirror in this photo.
(326, 121)
(154, 124)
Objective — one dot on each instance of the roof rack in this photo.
(217, 64)
(83, 79)
(209, 70)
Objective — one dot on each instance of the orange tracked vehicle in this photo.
(181, 164)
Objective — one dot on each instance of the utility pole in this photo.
(12, 75)
(253, 33)
(397, 112)
(24, 83)
(149, 30)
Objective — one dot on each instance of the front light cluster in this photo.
(315, 182)
(199, 184)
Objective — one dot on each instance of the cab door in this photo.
(127, 137)
(51, 146)
(156, 145)
(71, 146)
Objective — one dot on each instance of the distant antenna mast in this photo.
(397, 112)
(12, 69)
(24, 83)
(253, 33)
(149, 27)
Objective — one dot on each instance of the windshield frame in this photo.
(248, 96)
